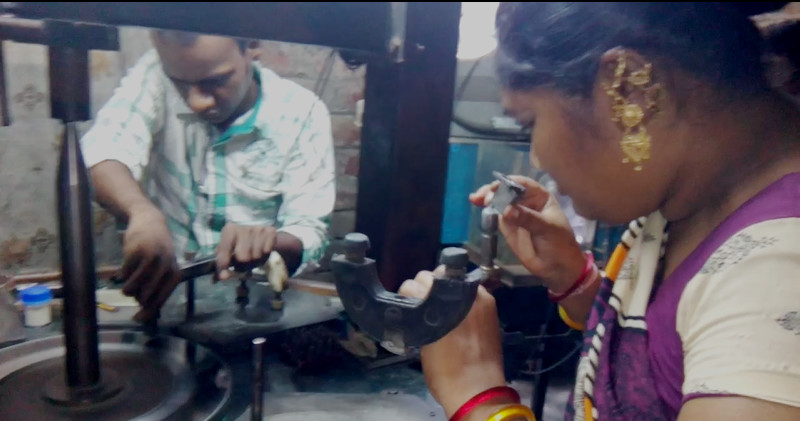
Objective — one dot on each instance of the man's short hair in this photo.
(189, 38)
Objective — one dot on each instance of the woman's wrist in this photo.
(453, 403)
(473, 379)
(485, 410)
(573, 271)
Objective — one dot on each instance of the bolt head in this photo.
(454, 258)
(356, 243)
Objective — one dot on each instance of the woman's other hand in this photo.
(469, 359)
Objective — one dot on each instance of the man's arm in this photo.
(246, 243)
(308, 195)
(116, 190)
(309, 191)
(116, 149)
(124, 126)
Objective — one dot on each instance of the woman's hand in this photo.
(538, 233)
(469, 359)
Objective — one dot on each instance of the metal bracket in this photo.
(400, 322)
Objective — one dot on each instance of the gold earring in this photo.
(635, 141)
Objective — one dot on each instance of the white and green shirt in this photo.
(273, 166)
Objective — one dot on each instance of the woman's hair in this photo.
(559, 45)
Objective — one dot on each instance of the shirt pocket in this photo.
(255, 180)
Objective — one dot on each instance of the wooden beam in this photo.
(405, 144)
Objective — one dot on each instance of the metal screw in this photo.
(489, 220)
(356, 246)
(454, 258)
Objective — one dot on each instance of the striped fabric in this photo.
(274, 166)
(645, 236)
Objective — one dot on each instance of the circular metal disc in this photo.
(161, 378)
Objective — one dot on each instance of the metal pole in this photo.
(69, 84)
(77, 265)
(257, 404)
(489, 228)
(189, 300)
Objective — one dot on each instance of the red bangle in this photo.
(484, 396)
(587, 270)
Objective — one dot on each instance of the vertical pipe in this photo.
(69, 84)
(257, 404)
(77, 265)
(489, 229)
(189, 300)
(5, 114)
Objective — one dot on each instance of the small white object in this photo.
(277, 273)
(505, 123)
(359, 120)
(36, 301)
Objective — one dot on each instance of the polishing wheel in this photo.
(143, 378)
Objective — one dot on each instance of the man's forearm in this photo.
(117, 191)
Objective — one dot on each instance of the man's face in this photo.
(212, 74)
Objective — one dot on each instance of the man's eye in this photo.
(215, 83)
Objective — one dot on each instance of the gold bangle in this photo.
(568, 321)
(508, 413)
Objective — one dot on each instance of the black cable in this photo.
(512, 136)
(554, 365)
(463, 86)
(325, 74)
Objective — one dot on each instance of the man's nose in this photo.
(199, 101)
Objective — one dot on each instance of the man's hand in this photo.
(149, 266)
(245, 244)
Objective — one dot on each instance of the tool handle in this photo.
(248, 266)
(198, 268)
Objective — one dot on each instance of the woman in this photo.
(660, 114)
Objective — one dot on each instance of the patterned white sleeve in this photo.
(739, 317)
(124, 126)
(309, 187)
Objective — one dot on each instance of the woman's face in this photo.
(577, 143)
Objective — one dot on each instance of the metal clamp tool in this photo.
(397, 321)
(401, 323)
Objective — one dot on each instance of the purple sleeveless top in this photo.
(640, 372)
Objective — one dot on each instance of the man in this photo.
(232, 160)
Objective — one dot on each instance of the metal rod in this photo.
(257, 404)
(31, 31)
(5, 114)
(69, 84)
(489, 229)
(77, 265)
(189, 299)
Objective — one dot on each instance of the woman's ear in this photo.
(253, 49)
(630, 75)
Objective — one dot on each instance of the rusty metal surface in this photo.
(11, 328)
(164, 378)
(11, 281)
(219, 320)
(59, 33)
